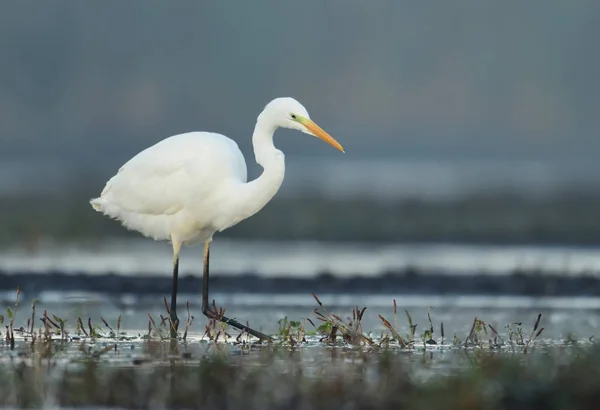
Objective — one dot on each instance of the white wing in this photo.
(161, 179)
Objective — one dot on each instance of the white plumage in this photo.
(189, 186)
(177, 187)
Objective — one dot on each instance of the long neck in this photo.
(254, 195)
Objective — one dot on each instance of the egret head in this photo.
(286, 112)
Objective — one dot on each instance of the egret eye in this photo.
(293, 116)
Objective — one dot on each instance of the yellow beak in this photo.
(319, 132)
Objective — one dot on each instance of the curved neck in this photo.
(256, 194)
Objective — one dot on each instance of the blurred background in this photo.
(470, 129)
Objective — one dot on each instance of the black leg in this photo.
(210, 313)
(174, 319)
(205, 278)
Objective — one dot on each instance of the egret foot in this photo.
(211, 314)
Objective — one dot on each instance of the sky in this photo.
(505, 91)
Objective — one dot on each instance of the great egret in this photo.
(189, 186)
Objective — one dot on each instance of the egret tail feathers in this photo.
(96, 204)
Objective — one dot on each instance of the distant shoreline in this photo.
(406, 282)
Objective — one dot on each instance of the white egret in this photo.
(189, 186)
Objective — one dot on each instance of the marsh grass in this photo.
(325, 363)
(332, 331)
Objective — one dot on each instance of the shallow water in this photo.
(567, 322)
(138, 360)
(563, 329)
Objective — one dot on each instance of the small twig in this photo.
(496, 333)
(442, 332)
(396, 335)
(80, 322)
(107, 325)
(471, 332)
